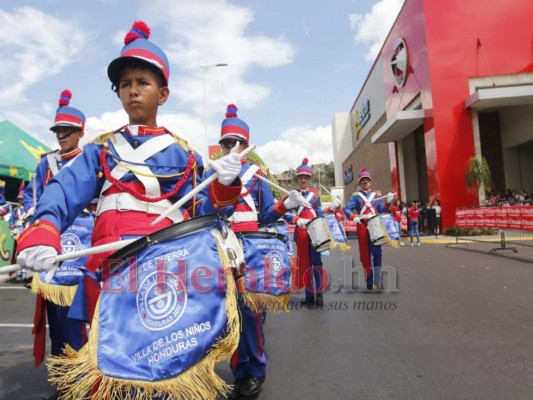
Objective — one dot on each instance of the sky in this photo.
(292, 64)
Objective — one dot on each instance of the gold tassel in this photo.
(76, 373)
(259, 302)
(57, 294)
(337, 245)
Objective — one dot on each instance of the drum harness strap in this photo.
(367, 203)
(246, 216)
(125, 201)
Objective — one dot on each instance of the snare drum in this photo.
(319, 234)
(268, 271)
(376, 231)
(167, 307)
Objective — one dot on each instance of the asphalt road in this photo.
(454, 323)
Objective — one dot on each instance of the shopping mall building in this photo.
(453, 79)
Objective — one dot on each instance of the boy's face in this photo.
(68, 138)
(303, 181)
(141, 95)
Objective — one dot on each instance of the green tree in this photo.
(477, 175)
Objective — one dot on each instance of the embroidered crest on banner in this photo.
(161, 300)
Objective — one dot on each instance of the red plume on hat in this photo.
(64, 98)
(139, 30)
(21, 190)
(304, 169)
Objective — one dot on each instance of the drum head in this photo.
(168, 233)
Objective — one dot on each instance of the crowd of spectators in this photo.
(511, 197)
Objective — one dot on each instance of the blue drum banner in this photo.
(268, 271)
(391, 230)
(165, 318)
(337, 236)
(62, 288)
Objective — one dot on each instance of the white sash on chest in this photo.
(143, 152)
(367, 202)
(52, 163)
(308, 198)
(245, 178)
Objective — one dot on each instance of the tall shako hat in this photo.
(233, 127)
(304, 169)
(67, 116)
(364, 174)
(137, 46)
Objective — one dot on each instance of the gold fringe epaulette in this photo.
(76, 373)
(104, 138)
(57, 294)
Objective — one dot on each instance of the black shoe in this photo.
(369, 283)
(251, 388)
(308, 301)
(319, 300)
(235, 393)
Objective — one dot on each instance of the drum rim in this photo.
(163, 235)
(261, 234)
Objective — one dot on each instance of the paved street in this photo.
(459, 326)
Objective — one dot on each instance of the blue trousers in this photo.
(249, 360)
(63, 330)
(413, 231)
(316, 273)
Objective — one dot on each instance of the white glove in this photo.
(293, 200)
(357, 220)
(302, 222)
(229, 166)
(390, 197)
(336, 203)
(38, 258)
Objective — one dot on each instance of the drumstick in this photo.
(283, 190)
(331, 194)
(75, 254)
(197, 189)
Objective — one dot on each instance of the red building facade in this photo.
(453, 79)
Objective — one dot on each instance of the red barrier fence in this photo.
(511, 217)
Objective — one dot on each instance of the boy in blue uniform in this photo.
(69, 128)
(366, 205)
(135, 172)
(256, 207)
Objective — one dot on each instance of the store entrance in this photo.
(415, 166)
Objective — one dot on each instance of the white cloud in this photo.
(296, 144)
(372, 28)
(39, 45)
(212, 32)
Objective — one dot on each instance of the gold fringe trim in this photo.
(340, 246)
(259, 302)
(76, 373)
(337, 245)
(57, 294)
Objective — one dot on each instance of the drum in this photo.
(391, 227)
(337, 235)
(281, 228)
(268, 271)
(319, 234)
(167, 314)
(376, 231)
(383, 230)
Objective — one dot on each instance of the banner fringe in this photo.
(57, 294)
(77, 376)
(260, 302)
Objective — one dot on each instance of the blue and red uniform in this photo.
(309, 262)
(136, 173)
(365, 203)
(63, 330)
(256, 206)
